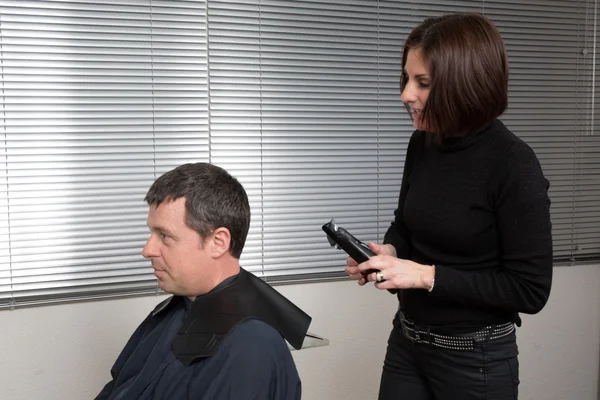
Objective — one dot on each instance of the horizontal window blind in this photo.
(551, 54)
(298, 99)
(552, 92)
(305, 110)
(98, 98)
(235, 115)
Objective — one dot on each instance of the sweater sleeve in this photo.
(519, 194)
(398, 234)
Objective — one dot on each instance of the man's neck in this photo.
(223, 271)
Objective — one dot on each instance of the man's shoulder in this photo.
(252, 362)
(256, 337)
(256, 331)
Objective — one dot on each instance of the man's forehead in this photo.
(168, 210)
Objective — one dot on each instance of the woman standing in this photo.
(470, 246)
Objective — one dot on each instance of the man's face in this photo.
(180, 258)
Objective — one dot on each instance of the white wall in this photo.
(64, 352)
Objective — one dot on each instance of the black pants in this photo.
(418, 371)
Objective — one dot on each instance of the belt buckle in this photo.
(408, 326)
(404, 322)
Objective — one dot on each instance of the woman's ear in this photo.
(221, 240)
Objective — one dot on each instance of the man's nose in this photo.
(150, 249)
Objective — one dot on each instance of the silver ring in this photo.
(379, 276)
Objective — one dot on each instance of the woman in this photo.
(470, 246)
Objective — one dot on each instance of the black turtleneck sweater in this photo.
(477, 208)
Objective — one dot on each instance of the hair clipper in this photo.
(342, 239)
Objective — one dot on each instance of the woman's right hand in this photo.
(352, 266)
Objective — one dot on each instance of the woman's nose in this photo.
(408, 94)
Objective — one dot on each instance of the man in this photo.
(220, 335)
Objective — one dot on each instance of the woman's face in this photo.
(416, 89)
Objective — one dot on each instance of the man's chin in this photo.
(164, 286)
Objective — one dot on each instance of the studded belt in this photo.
(463, 341)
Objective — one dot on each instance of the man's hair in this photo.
(214, 199)
(468, 68)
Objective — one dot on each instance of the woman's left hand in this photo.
(397, 273)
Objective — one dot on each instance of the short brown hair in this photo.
(468, 68)
(213, 199)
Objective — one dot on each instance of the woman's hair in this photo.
(468, 68)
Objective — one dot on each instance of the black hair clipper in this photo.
(342, 239)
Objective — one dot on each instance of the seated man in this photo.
(220, 335)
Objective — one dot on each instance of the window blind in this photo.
(550, 47)
(298, 99)
(98, 98)
(313, 88)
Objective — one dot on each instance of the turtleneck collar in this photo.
(454, 144)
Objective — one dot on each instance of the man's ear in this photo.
(221, 240)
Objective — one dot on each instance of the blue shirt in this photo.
(253, 362)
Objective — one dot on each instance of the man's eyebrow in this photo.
(161, 229)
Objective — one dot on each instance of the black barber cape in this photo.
(225, 345)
